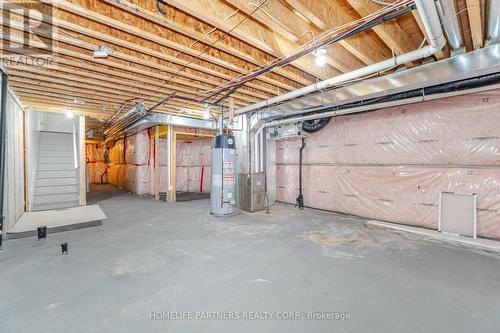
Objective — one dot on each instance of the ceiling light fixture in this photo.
(103, 51)
(320, 57)
(78, 101)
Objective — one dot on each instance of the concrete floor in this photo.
(154, 257)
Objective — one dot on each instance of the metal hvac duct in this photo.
(129, 117)
(472, 64)
(154, 119)
(493, 22)
(452, 30)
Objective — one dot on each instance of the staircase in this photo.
(56, 184)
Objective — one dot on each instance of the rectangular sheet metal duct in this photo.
(481, 62)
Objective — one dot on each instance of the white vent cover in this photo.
(458, 213)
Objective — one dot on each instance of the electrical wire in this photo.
(322, 40)
(275, 63)
(307, 48)
(208, 47)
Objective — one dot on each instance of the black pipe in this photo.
(475, 82)
(312, 126)
(285, 61)
(300, 199)
(3, 148)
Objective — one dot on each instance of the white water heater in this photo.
(224, 163)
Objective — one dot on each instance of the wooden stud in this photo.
(476, 23)
(27, 178)
(83, 162)
(157, 163)
(172, 162)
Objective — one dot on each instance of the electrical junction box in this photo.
(252, 192)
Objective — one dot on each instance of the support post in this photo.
(157, 163)
(171, 188)
(83, 161)
(27, 178)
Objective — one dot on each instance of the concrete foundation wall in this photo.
(391, 164)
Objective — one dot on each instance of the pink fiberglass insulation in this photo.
(193, 166)
(194, 178)
(138, 179)
(163, 179)
(131, 162)
(391, 164)
(98, 172)
(181, 178)
(117, 152)
(137, 149)
(94, 152)
(163, 153)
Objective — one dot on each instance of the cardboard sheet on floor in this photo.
(57, 220)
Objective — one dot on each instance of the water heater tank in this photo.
(224, 160)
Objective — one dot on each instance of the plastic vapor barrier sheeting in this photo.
(391, 164)
(97, 169)
(193, 169)
(131, 163)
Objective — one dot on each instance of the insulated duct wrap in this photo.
(391, 164)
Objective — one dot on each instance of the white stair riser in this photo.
(55, 159)
(55, 174)
(55, 167)
(55, 198)
(64, 189)
(55, 182)
(55, 145)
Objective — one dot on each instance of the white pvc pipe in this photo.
(370, 107)
(432, 25)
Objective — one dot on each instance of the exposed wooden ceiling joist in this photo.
(226, 17)
(328, 14)
(199, 45)
(240, 51)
